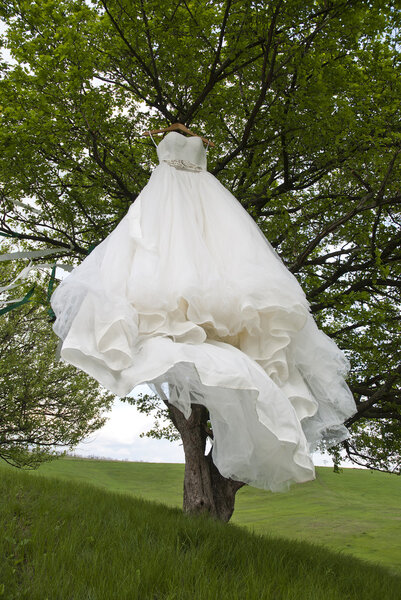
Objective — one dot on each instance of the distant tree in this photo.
(302, 102)
(44, 404)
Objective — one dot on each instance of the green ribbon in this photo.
(91, 247)
(24, 300)
(50, 311)
(33, 254)
(11, 235)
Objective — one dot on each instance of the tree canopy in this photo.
(302, 102)
(44, 404)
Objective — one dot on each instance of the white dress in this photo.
(187, 295)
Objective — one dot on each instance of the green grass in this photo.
(356, 512)
(63, 540)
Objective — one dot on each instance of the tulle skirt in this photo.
(187, 295)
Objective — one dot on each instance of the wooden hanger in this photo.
(182, 128)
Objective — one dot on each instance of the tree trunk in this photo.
(205, 489)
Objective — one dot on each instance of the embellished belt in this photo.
(184, 165)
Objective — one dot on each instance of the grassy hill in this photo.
(356, 512)
(66, 540)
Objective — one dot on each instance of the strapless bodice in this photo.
(187, 153)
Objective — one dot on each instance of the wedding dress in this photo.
(188, 296)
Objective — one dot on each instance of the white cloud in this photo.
(119, 438)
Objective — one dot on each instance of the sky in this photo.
(119, 438)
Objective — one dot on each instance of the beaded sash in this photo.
(183, 165)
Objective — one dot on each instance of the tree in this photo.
(44, 404)
(301, 100)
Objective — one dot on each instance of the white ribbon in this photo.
(24, 274)
(68, 268)
(30, 253)
(5, 302)
(26, 206)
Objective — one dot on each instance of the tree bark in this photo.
(205, 489)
